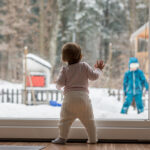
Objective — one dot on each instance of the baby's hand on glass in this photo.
(99, 64)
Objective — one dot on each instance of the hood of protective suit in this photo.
(133, 62)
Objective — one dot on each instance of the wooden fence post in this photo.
(2, 95)
(56, 95)
(12, 95)
(7, 94)
(119, 95)
(17, 96)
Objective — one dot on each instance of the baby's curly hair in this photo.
(71, 53)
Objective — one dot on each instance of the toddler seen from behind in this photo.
(76, 103)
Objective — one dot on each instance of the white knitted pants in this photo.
(77, 104)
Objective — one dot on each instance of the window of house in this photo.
(142, 45)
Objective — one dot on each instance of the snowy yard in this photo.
(104, 106)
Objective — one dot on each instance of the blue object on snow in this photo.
(133, 84)
(128, 101)
(54, 103)
(134, 81)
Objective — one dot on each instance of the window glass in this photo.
(32, 35)
(142, 45)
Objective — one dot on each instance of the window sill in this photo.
(48, 129)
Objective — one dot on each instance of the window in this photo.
(29, 101)
(142, 45)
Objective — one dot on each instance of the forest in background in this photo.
(101, 27)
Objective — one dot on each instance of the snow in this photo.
(104, 106)
(141, 6)
(90, 3)
(79, 16)
(38, 59)
(9, 85)
(121, 5)
(108, 107)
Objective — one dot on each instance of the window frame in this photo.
(41, 129)
(106, 129)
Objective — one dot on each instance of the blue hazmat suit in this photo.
(133, 84)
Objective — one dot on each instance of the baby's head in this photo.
(71, 53)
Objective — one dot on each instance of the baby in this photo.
(76, 104)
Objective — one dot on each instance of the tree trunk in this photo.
(53, 33)
(41, 27)
(106, 41)
(132, 9)
(133, 20)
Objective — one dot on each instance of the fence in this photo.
(42, 96)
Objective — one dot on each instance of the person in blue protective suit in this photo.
(133, 84)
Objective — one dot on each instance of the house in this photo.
(38, 71)
(139, 42)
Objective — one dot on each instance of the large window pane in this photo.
(32, 34)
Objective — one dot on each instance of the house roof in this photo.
(39, 60)
(142, 32)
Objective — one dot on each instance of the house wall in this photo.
(33, 66)
(143, 60)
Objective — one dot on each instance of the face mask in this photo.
(134, 66)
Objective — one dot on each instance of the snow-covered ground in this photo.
(104, 106)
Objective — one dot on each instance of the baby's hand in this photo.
(99, 64)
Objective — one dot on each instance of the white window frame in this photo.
(106, 129)
(48, 129)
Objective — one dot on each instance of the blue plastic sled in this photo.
(54, 103)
